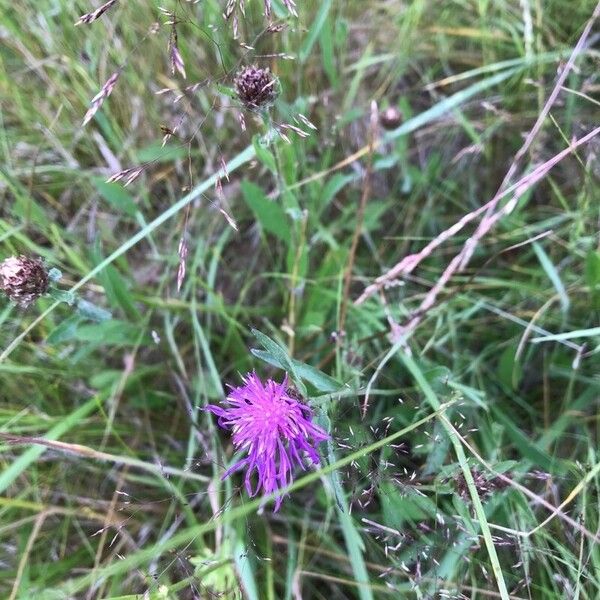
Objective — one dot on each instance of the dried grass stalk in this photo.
(492, 213)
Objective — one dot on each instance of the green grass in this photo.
(499, 382)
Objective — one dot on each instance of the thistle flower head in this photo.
(255, 87)
(23, 279)
(273, 428)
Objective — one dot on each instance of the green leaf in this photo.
(110, 332)
(400, 506)
(268, 213)
(280, 354)
(439, 452)
(568, 335)
(66, 296)
(510, 372)
(263, 153)
(315, 30)
(226, 90)
(331, 188)
(592, 268)
(528, 448)
(116, 290)
(65, 331)
(158, 153)
(328, 53)
(553, 275)
(245, 570)
(592, 276)
(92, 312)
(116, 195)
(316, 378)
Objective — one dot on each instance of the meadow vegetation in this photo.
(193, 235)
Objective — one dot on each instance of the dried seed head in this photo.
(92, 16)
(485, 486)
(23, 279)
(390, 118)
(256, 88)
(100, 97)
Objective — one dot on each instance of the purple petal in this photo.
(275, 431)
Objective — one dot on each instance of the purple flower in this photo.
(273, 428)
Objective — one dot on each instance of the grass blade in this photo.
(186, 536)
(553, 275)
(32, 454)
(354, 543)
(568, 335)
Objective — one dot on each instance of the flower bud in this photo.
(256, 88)
(23, 279)
(390, 118)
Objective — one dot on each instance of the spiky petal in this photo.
(274, 430)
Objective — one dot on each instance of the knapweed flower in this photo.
(273, 428)
(256, 88)
(23, 279)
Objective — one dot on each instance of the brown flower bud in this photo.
(391, 118)
(23, 279)
(256, 88)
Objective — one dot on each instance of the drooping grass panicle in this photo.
(127, 175)
(175, 58)
(231, 6)
(182, 252)
(100, 97)
(96, 14)
(223, 204)
(305, 121)
(296, 130)
(291, 6)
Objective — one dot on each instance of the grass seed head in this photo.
(256, 88)
(23, 279)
